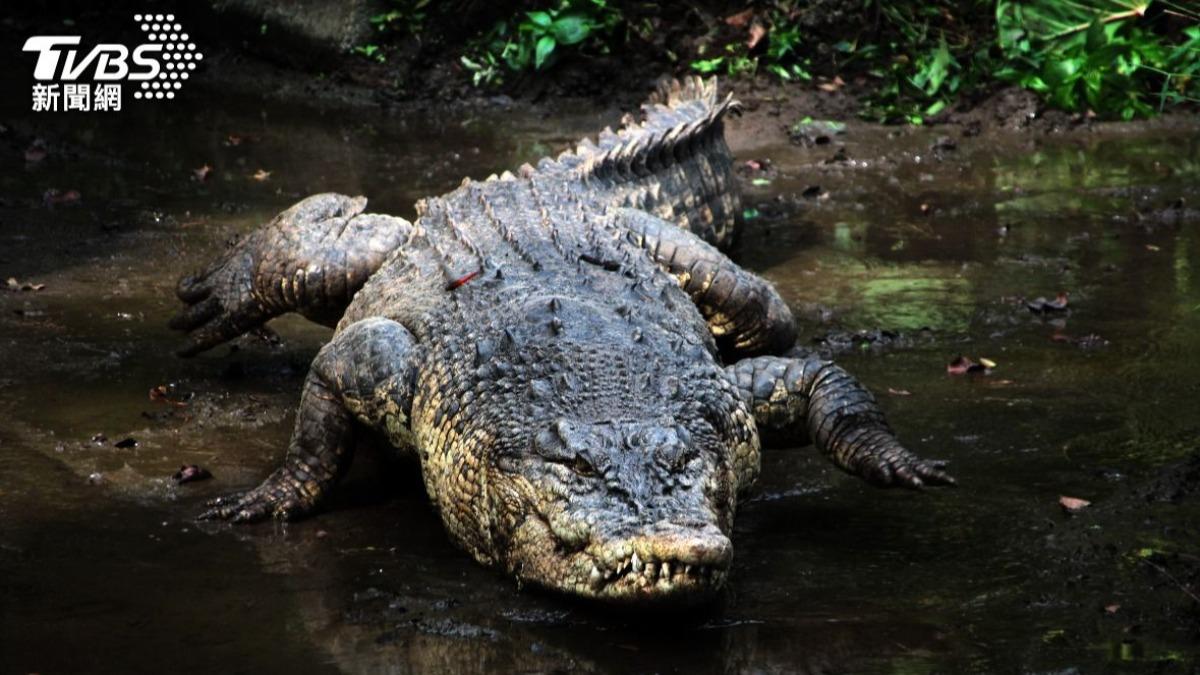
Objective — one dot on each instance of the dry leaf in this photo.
(54, 197)
(201, 174)
(189, 473)
(35, 153)
(261, 175)
(961, 365)
(1041, 305)
(740, 19)
(1073, 504)
(899, 392)
(757, 33)
(161, 394)
(832, 86)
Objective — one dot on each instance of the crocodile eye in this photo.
(583, 467)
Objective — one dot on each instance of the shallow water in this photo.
(101, 565)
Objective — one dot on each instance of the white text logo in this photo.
(160, 66)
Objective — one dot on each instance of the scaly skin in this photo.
(582, 377)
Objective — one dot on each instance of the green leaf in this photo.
(540, 19)
(707, 66)
(571, 29)
(1096, 38)
(1048, 21)
(545, 46)
(939, 68)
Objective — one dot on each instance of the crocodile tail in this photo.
(674, 162)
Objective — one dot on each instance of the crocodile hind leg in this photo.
(310, 259)
(363, 377)
(819, 402)
(744, 312)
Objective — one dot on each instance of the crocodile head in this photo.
(626, 510)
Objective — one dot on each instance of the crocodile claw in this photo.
(219, 302)
(894, 466)
(251, 506)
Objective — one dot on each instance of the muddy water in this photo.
(101, 565)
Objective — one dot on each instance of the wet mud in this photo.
(899, 248)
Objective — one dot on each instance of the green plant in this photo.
(537, 39)
(405, 16)
(371, 51)
(933, 53)
(782, 56)
(1097, 55)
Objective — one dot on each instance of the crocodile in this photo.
(581, 373)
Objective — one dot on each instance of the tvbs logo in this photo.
(158, 66)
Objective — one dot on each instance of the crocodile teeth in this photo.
(637, 564)
(666, 570)
(687, 570)
(596, 578)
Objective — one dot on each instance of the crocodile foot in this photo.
(883, 462)
(275, 498)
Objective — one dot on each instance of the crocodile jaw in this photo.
(662, 564)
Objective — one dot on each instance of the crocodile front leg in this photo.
(312, 259)
(364, 376)
(819, 402)
(744, 312)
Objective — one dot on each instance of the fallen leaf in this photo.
(201, 174)
(127, 442)
(961, 365)
(987, 363)
(1073, 504)
(899, 392)
(189, 473)
(1041, 305)
(740, 19)
(55, 197)
(261, 175)
(757, 33)
(1152, 247)
(1112, 608)
(832, 86)
(35, 153)
(753, 165)
(161, 394)
(760, 182)
(15, 286)
(925, 209)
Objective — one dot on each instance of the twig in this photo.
(1170, 576)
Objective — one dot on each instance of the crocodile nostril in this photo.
(702, 547)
